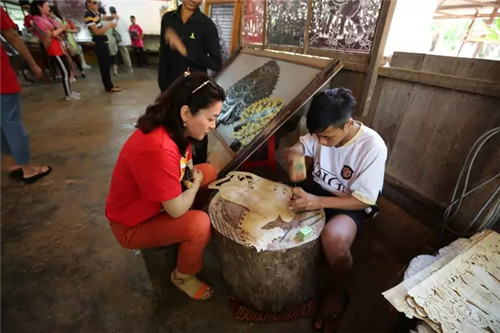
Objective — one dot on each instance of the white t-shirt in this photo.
(122, 28)
(357, 168)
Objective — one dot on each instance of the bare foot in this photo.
(33, 170)
(33, 173)
(330, 312)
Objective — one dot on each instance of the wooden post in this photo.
(235, 33)
(206, 8)
(264, 25)
(468, 32)
(377, 52)
(310, 6)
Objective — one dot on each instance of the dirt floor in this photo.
(63, 271)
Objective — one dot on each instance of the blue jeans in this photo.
(15, 139)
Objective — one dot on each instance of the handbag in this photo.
(117, 36)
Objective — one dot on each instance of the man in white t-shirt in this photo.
(124, 44)
(347, 177)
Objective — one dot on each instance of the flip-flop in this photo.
(203, 294)
(16, 174)
(32, 179)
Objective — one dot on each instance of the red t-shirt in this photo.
(8, 79)
(28, 24)
(148, 171)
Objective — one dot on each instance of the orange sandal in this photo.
(204, 293)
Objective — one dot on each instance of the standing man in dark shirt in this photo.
(188, 39)
(92, 20)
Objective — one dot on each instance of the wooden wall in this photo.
(430, 116)
(354, 81)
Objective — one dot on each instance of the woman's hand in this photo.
(197, 177)
(303, 201)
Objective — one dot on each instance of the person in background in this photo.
(51, 34)
(112, 44)
(28, 18)
(73, 51)
(188, 39)
(15, 146)
(348, 163)
(136, 35)
(154, 183)
(92, 19)
(124, 44)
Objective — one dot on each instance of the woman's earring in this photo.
(184, 124)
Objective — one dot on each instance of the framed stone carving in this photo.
(344, 24)
(222, 15)
(286, 22)
(253, 22)
(263, 90)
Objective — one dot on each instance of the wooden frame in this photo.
(472, 85)
(377, 52)
(329, 69)
(235, 33)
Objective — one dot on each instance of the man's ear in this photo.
(350, 122)
(185, 113)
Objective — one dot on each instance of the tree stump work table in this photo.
(281, 276)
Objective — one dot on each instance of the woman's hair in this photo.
(195, 90)
(56, 12)
(35, 7)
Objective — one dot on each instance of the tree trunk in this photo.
(270, 280)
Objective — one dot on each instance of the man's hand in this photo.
(112, 24)
(303, 201)
(175, 42)
(36, 70)
(296, 165)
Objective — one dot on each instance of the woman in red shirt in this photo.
(147, 205)
(51, 34)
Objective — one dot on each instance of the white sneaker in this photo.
(73, 98)
(76, 93)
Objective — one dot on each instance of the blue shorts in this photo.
(358, 216)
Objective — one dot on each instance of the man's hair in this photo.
(166, 109)
(112, 10)
(332, 107)
(132, 17)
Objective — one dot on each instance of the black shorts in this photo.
(358, 216)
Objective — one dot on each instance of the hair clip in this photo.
(201, 86)
(187, 72)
